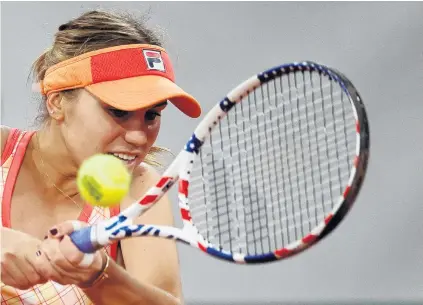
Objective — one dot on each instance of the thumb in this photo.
(65, 228)
(62, 231)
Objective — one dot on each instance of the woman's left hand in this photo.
(66, 258)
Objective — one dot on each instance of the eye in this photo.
(151, 115)
(118, 113)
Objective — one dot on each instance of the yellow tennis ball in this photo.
(103, 180)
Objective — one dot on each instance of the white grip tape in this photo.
(87, 260)
(76, 225)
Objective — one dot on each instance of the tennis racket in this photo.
(270, 170)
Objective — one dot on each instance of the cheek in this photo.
(153, 132)
(87, 136)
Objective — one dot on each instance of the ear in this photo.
(55, 106)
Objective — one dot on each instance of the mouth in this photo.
(128, 159)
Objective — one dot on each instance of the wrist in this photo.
(100, 275)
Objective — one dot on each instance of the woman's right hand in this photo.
(19, 259)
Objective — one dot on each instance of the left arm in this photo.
(121, 288)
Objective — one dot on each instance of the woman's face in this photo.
(91, 126)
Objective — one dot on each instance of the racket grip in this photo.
(82, 240)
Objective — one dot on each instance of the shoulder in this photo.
(5, 131)
(146, 175)
(143, 177)
(151, 260)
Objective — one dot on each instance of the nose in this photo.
(136, 137)
(136, 130)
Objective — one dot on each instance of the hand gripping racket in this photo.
(270, 170)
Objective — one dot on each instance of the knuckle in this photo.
(56, 258)
(8, 256)
(34, 278)
(4, 265)
(44, 271)
(74, 259)
(22, 284)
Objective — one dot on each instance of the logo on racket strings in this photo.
(154, 60)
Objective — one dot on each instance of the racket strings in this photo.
(275, 165)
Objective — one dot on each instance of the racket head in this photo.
(194, 171)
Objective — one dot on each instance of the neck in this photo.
(53, 161)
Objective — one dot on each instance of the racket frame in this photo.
(90, 239)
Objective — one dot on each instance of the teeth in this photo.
(124, 157)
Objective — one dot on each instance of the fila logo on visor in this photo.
(154, 60)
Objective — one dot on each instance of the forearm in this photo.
(120, 288)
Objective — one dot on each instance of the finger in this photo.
(51, 248)
(76, 257)
(65, 228)
(61, 266)
(12, 275)
(47, 268)
(66, 260)
(19, 272)
(33, 276)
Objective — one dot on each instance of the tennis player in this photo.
(105, 83)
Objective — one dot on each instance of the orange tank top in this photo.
(50, 293)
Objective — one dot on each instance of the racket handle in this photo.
(82, 240)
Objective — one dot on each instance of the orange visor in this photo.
(127, 77)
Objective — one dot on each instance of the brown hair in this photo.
(92, 31)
